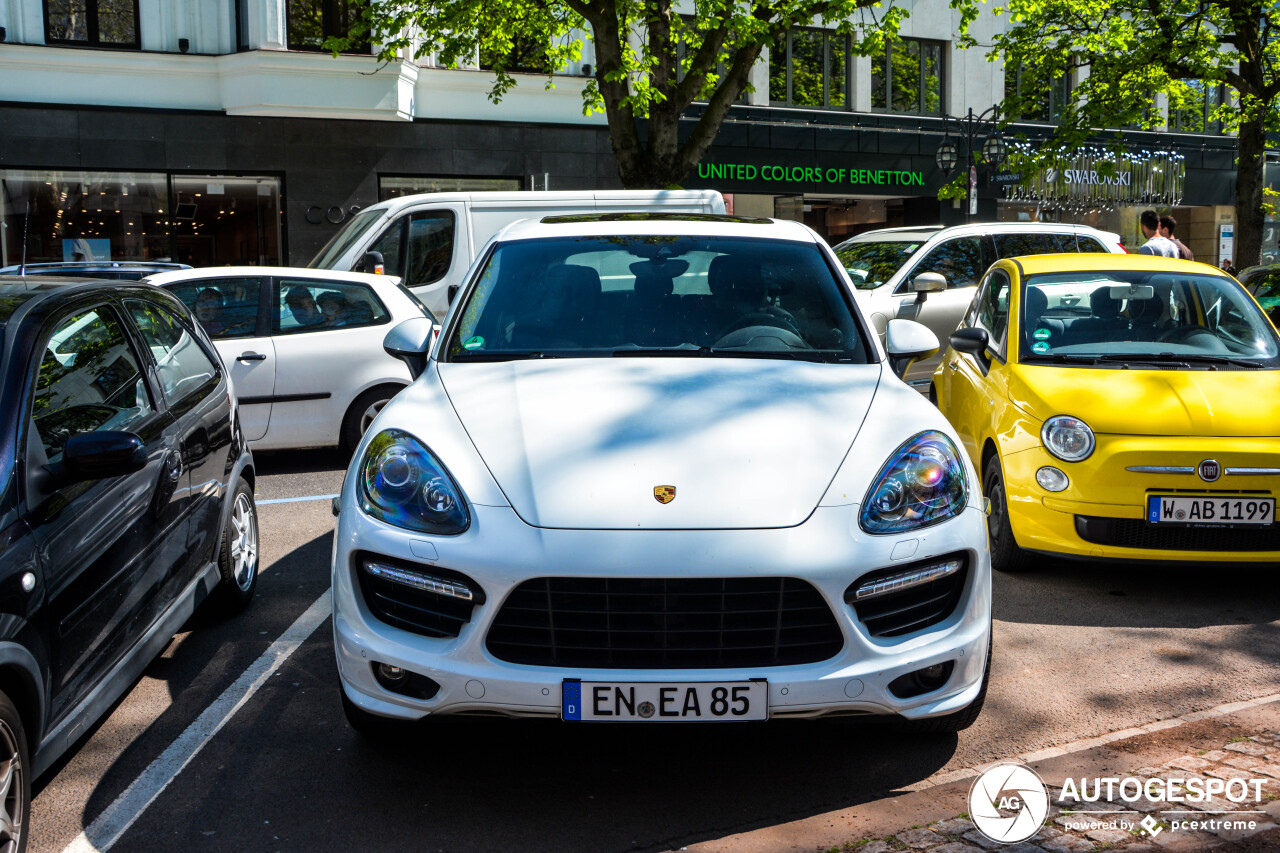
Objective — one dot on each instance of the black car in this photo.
(113, 270)
(126, 499)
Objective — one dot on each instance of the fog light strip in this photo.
(427, 583)
(915, 577)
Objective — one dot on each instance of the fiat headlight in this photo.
(402, 483)
(922, 483)
(1067, 438)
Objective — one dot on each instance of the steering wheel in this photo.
(761, 318)
(762, 338)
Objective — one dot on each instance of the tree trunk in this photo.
(1249, 181)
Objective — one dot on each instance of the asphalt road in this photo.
(1080, 650)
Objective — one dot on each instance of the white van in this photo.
(429, 240)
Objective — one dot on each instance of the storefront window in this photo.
(907, 78)
(394, 187)
(810, 68)
(135, 216)
(313, 21)
(1196, 112)
(101, 23)
(1036, 101)
(220, 220)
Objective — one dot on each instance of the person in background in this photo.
(1167, 226)
(1156, 245)
(1227, 267)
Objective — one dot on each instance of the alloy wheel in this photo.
(244, 541)
(11, 806)
(369, 414)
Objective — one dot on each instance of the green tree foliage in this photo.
(1124, 52)
(651, 61)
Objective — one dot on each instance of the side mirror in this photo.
(452, 293)
(926, 283)
(410, 342)
(372, 262)
(908, 341)
(97, 456)
(972, 340)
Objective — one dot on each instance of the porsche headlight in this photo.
(922, 483)
(1067, 438)
(402, 483)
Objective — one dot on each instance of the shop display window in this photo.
(202, 220)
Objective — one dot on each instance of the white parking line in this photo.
(143, 791)
(296, 500)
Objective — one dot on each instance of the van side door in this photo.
(430, 249)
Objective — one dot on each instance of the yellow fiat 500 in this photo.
(1118, 407)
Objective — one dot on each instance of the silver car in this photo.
(930, 273)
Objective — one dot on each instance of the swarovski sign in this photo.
(1080, 176)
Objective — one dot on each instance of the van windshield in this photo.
(347, 236)
(872, 263)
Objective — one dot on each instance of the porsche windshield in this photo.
(657, 295)
(1142, 316)
(872, 263)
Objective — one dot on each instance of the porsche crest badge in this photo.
(664, 494)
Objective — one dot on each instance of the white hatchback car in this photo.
(303, 347)
(887, 267)
(657, 468)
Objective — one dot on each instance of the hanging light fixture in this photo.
(994, 150)
(947, 156)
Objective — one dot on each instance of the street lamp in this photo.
(946, 157)
(969, 127)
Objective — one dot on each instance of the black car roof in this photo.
(17, 292)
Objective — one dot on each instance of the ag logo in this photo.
(1008, 803)
(1210, 470)
(664, 494)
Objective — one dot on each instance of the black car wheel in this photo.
(238, 557)
(363, 411)
(15, 780)
(1006, 556)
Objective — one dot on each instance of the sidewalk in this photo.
(1243, 744)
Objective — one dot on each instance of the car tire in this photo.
(15, 779)
(362, 412)
(239, 553)
(957, 721)
(1006, 556)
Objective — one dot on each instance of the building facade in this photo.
(218, 132)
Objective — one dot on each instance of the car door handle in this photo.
(251, 356)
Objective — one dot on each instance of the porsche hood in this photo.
(662, 443)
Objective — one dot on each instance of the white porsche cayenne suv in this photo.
(657, 468)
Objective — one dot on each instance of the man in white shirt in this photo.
(1155, 245)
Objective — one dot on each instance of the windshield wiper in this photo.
(1145, 358)
(1181, 358)
(1219, 359)
(681, 350)
(508, 355)
(1061, 358)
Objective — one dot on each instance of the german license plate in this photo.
(1222, 511)
(665, 701)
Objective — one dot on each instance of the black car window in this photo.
(1030, 243)
(89, 379)
(1089, 244)
(311, 305)
(958, 260)
(182, 364)
(389, 244)
(225, 307)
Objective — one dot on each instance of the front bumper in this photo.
(499, 551)
(1105, 496)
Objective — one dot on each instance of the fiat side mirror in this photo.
(972, 340)
(410, 342)
(907, 342)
